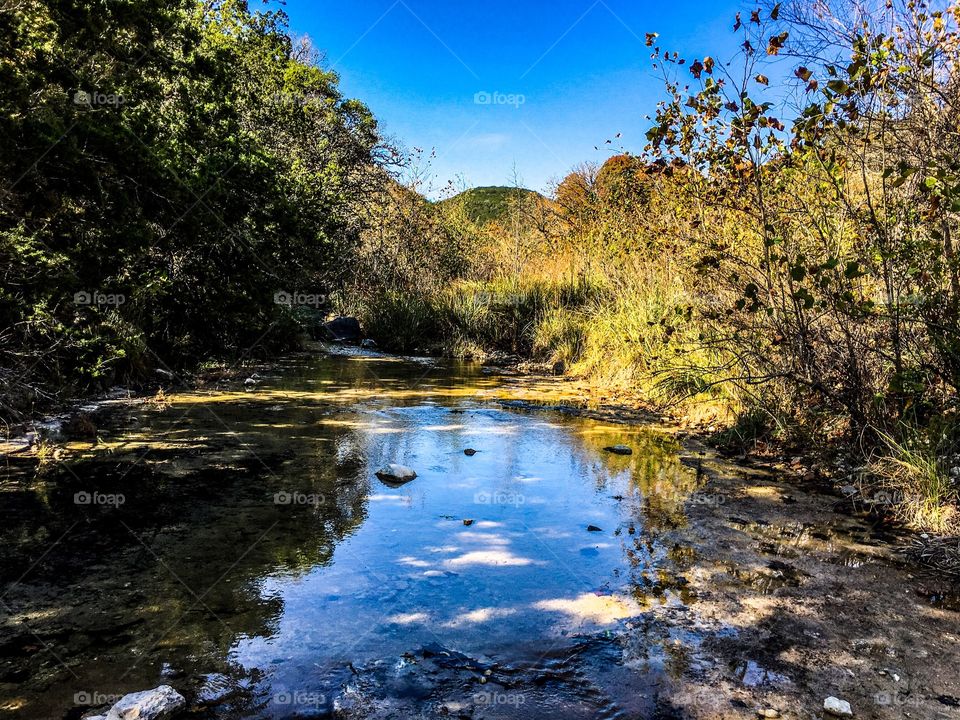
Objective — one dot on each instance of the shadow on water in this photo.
(238, 546)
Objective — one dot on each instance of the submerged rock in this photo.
(619, 449)
(837, 707)
(469, 452)
(394, 474)
(217, 688)
(156, 704)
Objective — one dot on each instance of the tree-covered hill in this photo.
(486, 204)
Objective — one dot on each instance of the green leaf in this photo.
(853, 270)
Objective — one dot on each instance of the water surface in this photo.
(237, 545)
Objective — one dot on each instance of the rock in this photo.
(837, 707)
(619, 450)
(369, 344)
(343, 329)
(469, 452)
(165, 374)
(594, 528)
(767, 713)
(467, 522)
(79, 426)
(250, 382)
(394, 474)
(169, 671)
(849, 490)
(161, 702)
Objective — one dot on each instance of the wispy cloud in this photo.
(487, 141)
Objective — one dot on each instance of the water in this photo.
(238, 546)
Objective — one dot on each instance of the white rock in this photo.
(394, 474)
(838, 707)
(161, 702)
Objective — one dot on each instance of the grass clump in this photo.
(921, 482)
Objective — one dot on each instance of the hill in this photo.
(485, 204)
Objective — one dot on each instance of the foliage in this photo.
(182, 162)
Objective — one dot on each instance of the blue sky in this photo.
(497, 83)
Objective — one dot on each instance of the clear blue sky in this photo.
(581, 67)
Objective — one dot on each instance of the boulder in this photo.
(619, 450)
(161, 702)
(368, 344)
(394, 474)
(343, 329)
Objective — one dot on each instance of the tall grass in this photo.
(469, 319)
(629, 334)
(919, 485)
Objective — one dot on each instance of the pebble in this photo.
(395, 474)
(837, 707)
